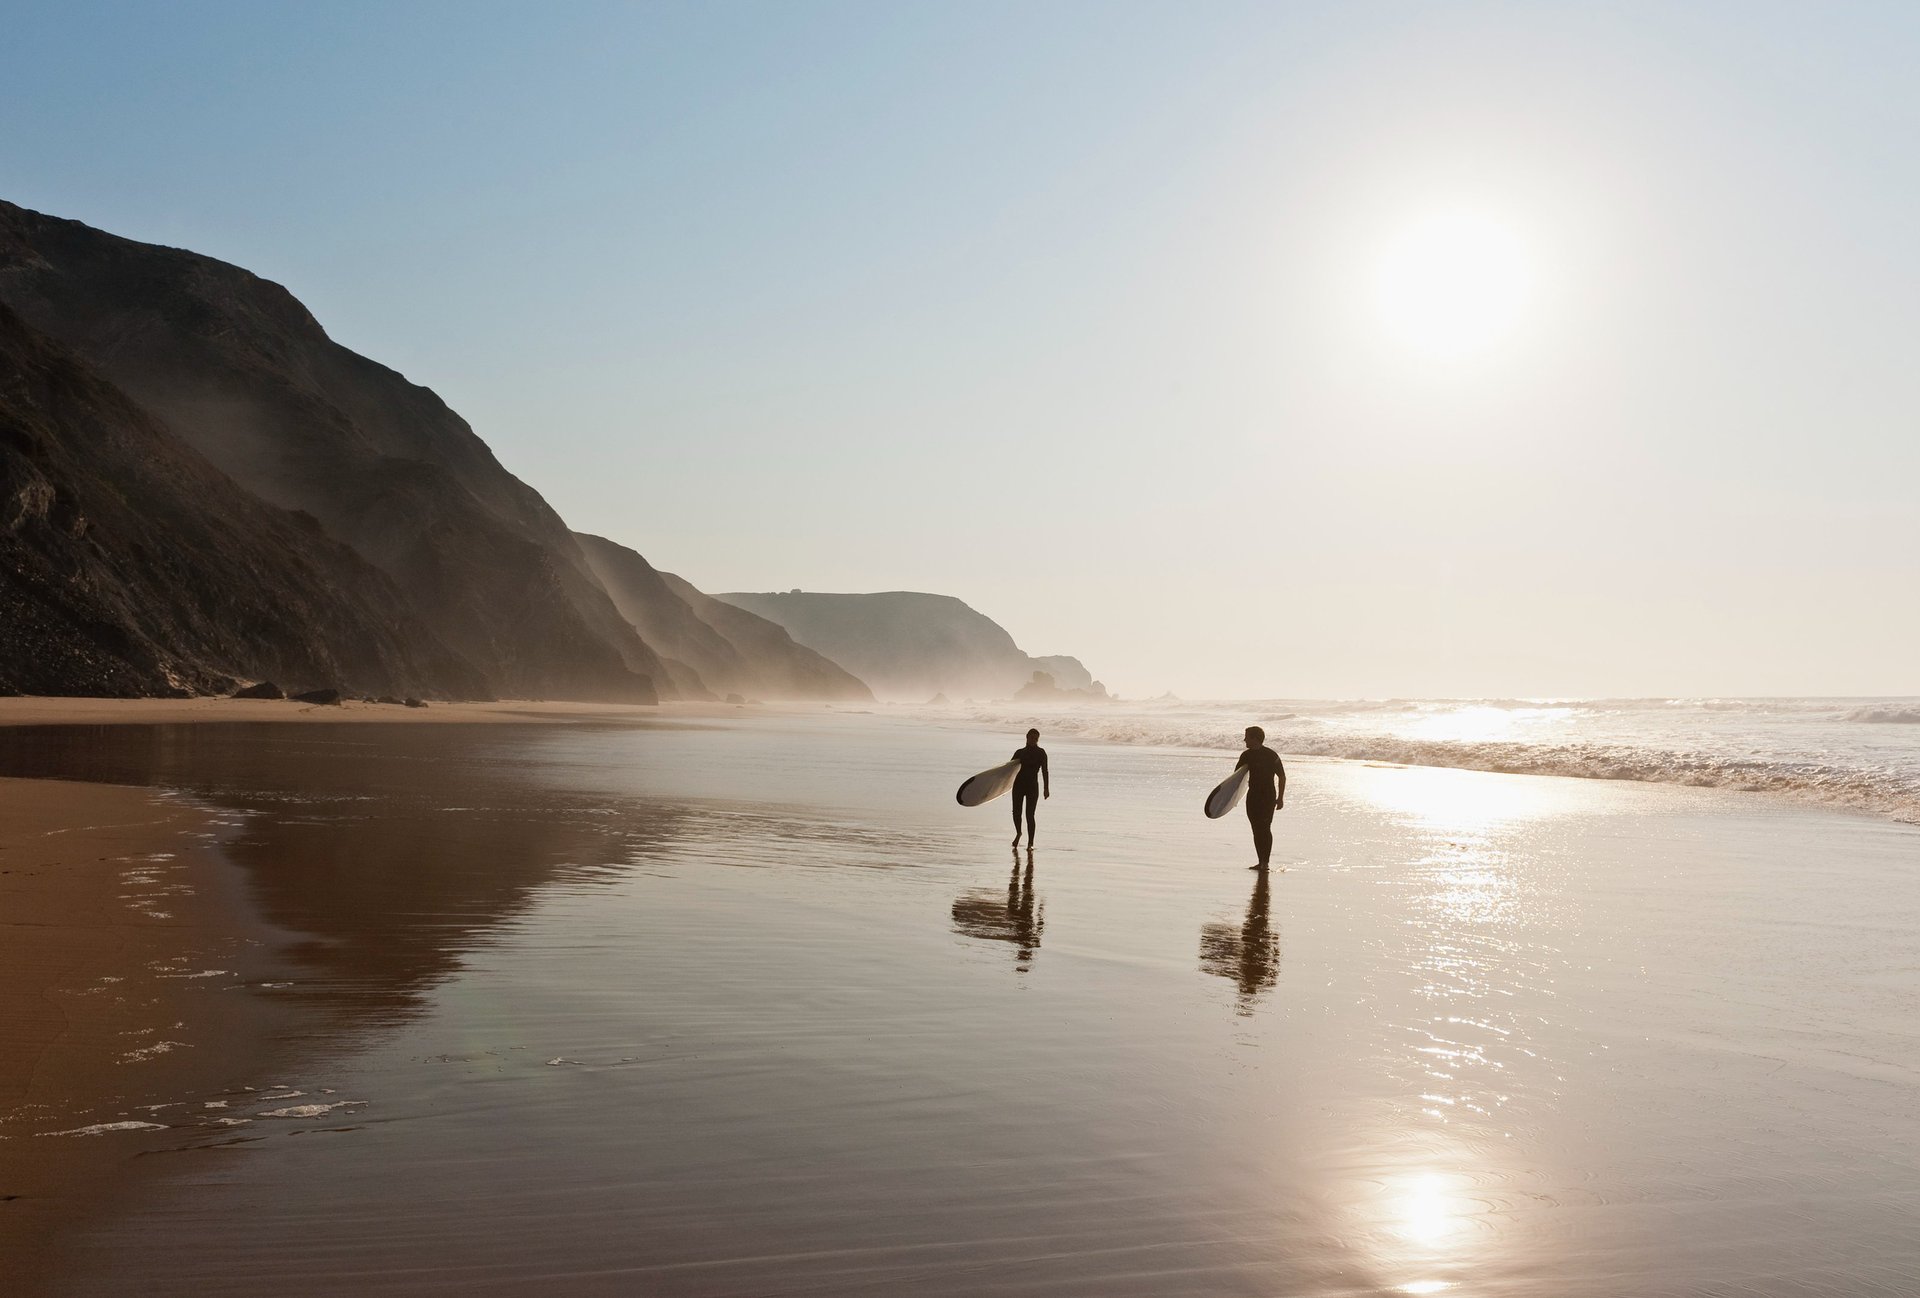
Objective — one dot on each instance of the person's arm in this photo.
(1280, 769)
(1046, 776)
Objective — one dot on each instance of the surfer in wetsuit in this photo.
(1266, 791)
(1033, 783)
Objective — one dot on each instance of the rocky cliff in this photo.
(709, 644)
(199, 488)
(130, 566)
(910, 646)
(234, 367)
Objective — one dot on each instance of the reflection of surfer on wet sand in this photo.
(1248, 955)
(1015, 916)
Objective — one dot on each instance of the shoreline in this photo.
(125, 933)
(1841, 791)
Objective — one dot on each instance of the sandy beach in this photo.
(123, 921)
(123, 926)
(745, 1005)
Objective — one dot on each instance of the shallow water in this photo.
(756, 1009)
(1859, 754)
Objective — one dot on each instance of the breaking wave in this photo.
(1796, 748)
(1893, 714)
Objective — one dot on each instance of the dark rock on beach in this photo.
(1043, 688)
(264, 690)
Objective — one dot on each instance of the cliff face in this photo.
(236, 368)
(199, 487)
(725, 649)
(130, 566)
(910, 646)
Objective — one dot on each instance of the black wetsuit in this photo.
(1266, 790)
(1026, 786)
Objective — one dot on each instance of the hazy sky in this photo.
(1262, 349)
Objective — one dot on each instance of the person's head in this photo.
(1255, 736)
(1033, 736)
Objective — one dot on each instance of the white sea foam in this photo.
(310, 1110)
(102, 1128)
(1811, 749)
(148, 1052)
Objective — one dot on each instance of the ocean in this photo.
(1862, 754)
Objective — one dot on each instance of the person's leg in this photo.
(1033, 804)
(1260, 816)
(1017, 795)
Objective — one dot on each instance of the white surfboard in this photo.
(1226, 795)
(987, 785)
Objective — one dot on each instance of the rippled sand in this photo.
(756, 1009)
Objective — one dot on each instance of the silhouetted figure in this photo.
(1033, 783)
(1017, 917)
(1249, 956)
(1266, 791)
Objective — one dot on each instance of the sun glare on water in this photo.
(1454, 283)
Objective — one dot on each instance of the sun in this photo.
(1453, 283)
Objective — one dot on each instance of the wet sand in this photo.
(120, 928)
(121, 920)
(748, 1006)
